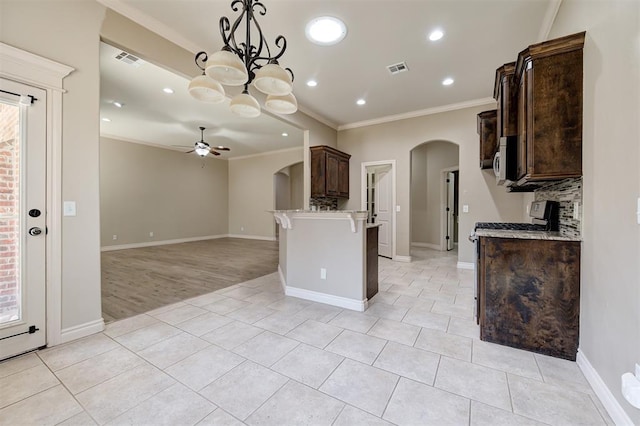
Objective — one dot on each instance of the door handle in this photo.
(35, 231)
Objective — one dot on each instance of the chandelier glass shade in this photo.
(241, 63)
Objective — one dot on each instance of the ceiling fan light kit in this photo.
(203, 149)
(243, 63)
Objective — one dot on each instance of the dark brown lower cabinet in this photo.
(372, 261)
(529, 294)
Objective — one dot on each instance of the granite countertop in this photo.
(525, 235)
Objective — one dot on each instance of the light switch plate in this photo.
(69, 208)
(465, 208)
(397, 208)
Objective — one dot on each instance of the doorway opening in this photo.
(378, 199)
(432, 225)
(450, 179)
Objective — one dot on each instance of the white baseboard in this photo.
(161, 243)
(251, 237)
(403, 259)
(342, 302)
(427, 245)
(82, 330)
(465, 265)
(610, 403)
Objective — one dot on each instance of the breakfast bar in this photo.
(324, 256)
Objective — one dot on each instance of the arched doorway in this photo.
(434, 195)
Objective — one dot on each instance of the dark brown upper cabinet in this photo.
(505, 92)
(488, 140)
(549, 79)
(329, 172)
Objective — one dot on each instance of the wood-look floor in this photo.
(139, 280)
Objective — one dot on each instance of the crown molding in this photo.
(26, 67)
(419, 113)
(152, 145)
(318, 117)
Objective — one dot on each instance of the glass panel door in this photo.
(22, 218)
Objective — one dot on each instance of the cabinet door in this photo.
(333, 169)
(487, 128)
(343, 177)
(524, 119)
(318, 184)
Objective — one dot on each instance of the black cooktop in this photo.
(508, 226)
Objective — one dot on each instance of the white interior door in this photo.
(22, 218)
(384, 211)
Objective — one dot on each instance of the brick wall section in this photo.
(9, 212)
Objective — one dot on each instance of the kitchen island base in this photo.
(328, 257)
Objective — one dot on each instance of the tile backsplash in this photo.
(324, 203)
(567, 192)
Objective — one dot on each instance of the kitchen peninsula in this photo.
(328, 256)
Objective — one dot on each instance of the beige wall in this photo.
(610, 294)
(487, 202)
(43, 28)
(427, 162)
(146, 189)
(251, 192)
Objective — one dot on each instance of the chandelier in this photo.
(240, 63)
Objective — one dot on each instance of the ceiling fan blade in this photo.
(222, 148)
(189, 152)
(212, 152)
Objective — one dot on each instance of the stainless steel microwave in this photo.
(505, 162)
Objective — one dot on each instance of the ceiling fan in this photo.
(203, 149)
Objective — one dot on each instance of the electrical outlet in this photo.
(465, 208)
(397, 208)
(323, 273)
(151, 234)
(242, 228)
(576, 210)
(115, 237)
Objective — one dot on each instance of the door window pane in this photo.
(10, 294)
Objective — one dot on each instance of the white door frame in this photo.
(443, 204)
(34, 70)
(363, 195)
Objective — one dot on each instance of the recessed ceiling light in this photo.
(436, 35)
(167, 90)
(447, 81)
(361, 102)
(326, 30)
(106, 119)
(285, 134)
(118, 104)
(312, 83)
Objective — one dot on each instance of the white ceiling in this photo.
(480, 36)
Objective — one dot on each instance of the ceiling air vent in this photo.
(398, 68)
(129, 59)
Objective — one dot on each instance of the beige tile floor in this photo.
(249, 355)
